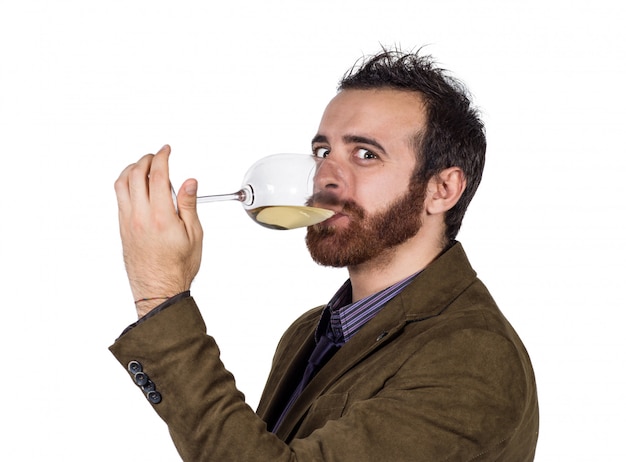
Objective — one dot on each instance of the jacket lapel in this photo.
(288, 368)
(427, 296)
(364, 343)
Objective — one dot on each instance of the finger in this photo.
(121, 188)
(159, 181)
(138, 181)
(132, 182)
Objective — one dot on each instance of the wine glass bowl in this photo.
(275, 191)
(280, 179)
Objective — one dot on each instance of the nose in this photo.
(330, 177)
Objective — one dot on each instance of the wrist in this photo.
(145, 305)
(149, 306)
(156, 310)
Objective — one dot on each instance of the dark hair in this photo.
(454, 134)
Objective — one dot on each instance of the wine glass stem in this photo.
(238, 196)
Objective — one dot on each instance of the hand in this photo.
(162, 248)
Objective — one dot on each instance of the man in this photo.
(410, 361)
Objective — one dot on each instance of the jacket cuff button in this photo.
(141, 379)
(154, 397)
(134, 367)
(149, 386)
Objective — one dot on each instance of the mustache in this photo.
(328, 199)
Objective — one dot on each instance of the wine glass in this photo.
(275, 191)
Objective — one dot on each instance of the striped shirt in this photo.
(347, 318)
(339, 322)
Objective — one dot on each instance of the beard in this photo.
(367, 236)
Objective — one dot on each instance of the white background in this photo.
(88, 87)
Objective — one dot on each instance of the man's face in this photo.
(366, 146)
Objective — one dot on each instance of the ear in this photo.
(444, 190)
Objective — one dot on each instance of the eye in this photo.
(321, 152)
(366, 154)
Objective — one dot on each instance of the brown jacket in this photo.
(437, 375)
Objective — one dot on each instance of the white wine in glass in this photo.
(275, 191)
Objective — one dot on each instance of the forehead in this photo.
(384, 110)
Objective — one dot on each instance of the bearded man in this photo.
(411, 360)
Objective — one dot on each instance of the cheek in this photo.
(377, 193)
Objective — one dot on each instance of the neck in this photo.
(393, 265)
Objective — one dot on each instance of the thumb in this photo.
(187, 198)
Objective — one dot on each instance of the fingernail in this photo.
(191, 189)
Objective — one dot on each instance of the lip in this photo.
(338, 209)
(334, 219)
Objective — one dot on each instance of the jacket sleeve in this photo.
(206, 415)
(414, 416)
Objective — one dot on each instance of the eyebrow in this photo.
(351, 139)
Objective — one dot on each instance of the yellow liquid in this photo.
(289, 216)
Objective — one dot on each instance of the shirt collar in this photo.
(343, 319)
